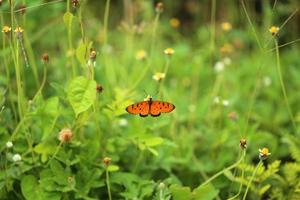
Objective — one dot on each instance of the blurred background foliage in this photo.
(223, 80)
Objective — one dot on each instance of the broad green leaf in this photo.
(29, 187)
(81, 52)
(153, 141)
(81, 94)
(205, 192)
(45, 149)
(180, 193)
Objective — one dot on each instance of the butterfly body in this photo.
(150, 107)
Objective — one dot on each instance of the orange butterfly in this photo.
(149, 107)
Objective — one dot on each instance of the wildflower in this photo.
(243, 143)
(158, 76)
(16, 157)
(45, 58)
(123, 122)
(65, 135)
(219, 67)
(161, 186)
(93, 56)
(169, 51)
(148, 97)
(174, 22)
(159, 8)
(19, 31)
(141, 55)
(232, 115)
(274, 30)
(226, 49)
(75, 3)
(9, 144)
(226, 26)
(6, 29)
(106, 161)
(267, 81)
(99, 88)
(216, 100)
(264, 153)
(225, 103)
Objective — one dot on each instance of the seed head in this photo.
(99, 88)
(243, 143)
(65, 135)
(159, 8)
(45, 58)
(106, 161)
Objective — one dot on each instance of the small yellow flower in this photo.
(93, 54)
(226, 49)
(264, 153)
(169, 51)
(274, 30)
(158, 76)
(141, 55)
(106, 161)
(65, 135)
(18, 30)
(226, 26)
(174, 22)
(6, 29)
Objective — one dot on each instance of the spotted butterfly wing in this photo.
(141, 108)
(158, 107)
(153, 108)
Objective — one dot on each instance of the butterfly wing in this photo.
(141, 108)
(158, 107)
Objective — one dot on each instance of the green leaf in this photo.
(81, 53)
(113, 168)
(81, 94)
(29, 187)
(45, 149)
(207, 192)
(180, 193)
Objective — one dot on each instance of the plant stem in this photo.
(282, 84)
(108, 184)
(56, 152)
(251, 179)
(106, 14)
(226, 169)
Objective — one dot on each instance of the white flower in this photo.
(219, 66)
(225, 103)
(16, 157)
(227, 61)
(267, 81)
(123, 122)
(216, 100)
(9, 144)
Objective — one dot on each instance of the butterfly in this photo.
(150, 107)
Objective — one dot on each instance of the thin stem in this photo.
(282, 84)
(162, 81)
(108, 185)
(213, 28)
(224, 170)
(106, 14)
(161, 194)
(251, 179)
(251, 25)
(56, 152)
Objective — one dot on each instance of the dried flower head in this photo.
(65, 135)
(106, 161)
(99, 88)
(159, 8)
(22, 9)
(174, 22)
(45, 57)
(226, 26)
(169, 51)
(6, 29)
(243, 143)
(274, 30)
(264, 153)
(232, 115)
(75, 3)
(93, 54)
(141, 55)
(158, 76)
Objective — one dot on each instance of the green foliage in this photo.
(226, 84)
